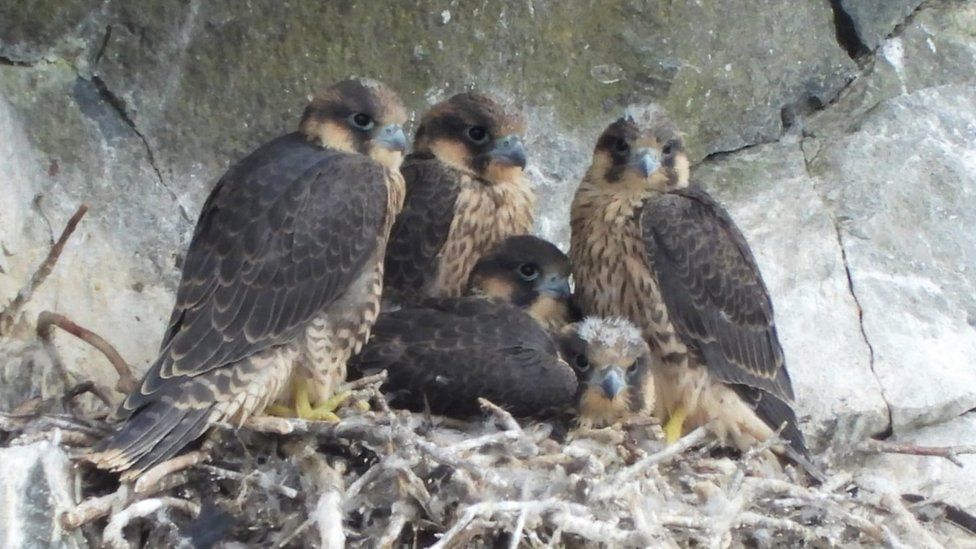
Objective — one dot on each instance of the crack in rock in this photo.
(850, 40)
(118, 105)
(102, 47)
(11, 62)
(850, 285)
(846, 32)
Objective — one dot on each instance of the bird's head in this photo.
(358, 115)
(613, 364)
(528, 272)
(475, 133)
(641, 150)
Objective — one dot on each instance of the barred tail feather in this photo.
(154, 433)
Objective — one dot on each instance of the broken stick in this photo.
(9, 314)
(950, 453)
(47, 320)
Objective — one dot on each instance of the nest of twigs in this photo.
(395, 479)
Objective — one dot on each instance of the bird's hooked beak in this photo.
(613, 382)
(556, 286)
(509, 151)
(646, 161)
(391, 137)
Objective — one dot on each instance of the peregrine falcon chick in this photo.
(664, 254)
(281, 282)
(614, 367)
(443, 354)
(465, 193)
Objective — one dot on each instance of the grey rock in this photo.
(903, 188)
(875, 19)
(36, 486)
(771, 197)
(62, 144)
(935, 48)
(47, 29)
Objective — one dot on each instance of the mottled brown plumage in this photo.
(447, 352)
(614, 367)
(465, 193)
(282, 278)
(666, 256)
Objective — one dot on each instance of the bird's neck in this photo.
(552, 314)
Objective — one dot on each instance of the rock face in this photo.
(853, 181)
(900, 218)
(36, 483)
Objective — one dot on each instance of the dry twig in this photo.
(47, 319)
(94, 508)
(9, 314)
(473, 480)
(98, 507)
(950, 453)
(668, 453)
(908, 523)
(513, 543)
(149, 481)
(402, 514)
(113, 536)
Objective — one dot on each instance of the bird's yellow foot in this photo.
(323, 412)
(303, 408)
(675, 425)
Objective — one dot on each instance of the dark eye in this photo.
(477, 134)
(633, 369)
(668, 147)
(621, 146)
(362, 121)
(582, 363)
(528, 271)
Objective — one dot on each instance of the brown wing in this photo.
(451, 351)
(719, 305)
(283, 234)
(714, 293)
(421, 229)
